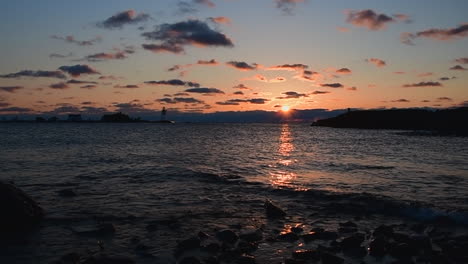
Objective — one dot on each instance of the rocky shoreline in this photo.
(272, 234)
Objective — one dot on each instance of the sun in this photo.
(285, 108)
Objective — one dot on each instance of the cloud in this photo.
(73, 81)
(174, 82)
(344, 71)
(186, 7)
(332, 85)
(458, 68)
(71, 39)
(243, 66)
(29, 73)
(436, 34)
(128, 86)
(207, 62)
(425, 74)
(59, 86)
(241, 86)
(177, 67)
(220, 20)
(15, 110)
(89, 86)
(109, 77)
(462, 60)
(118, 20)
(176, 100)
(239, 101)
(403, 17)
(292, 95)
(368, 19)
(342, 29)
(401, 101)
(377, 62)
(174, 37)
(447, 78)
(444, 99)
(77, 70)
(399, 72)
(353, 88)
(320, 92)
(118, 55)
(423, 84)
(204, 91)
(61, 56)
(239, 93)
(10, 89)
(290, 67)
(309, 76)
(287, 6)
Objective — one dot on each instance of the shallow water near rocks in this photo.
(158, 184)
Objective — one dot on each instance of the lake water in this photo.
(132, 173)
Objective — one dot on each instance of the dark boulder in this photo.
(19, 212)
(305, 254)
(328, 258)
(105, 259)
(273, 211)
(227, 236)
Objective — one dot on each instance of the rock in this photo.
(294, 261)
(377, 247)
(347, 230)
(304, 254)
(402, 251)
(353, 241)
(251, 235)
(227, 236)
(328, 258)
(212, 248)
(203, 235)
(383, 230)
(67, 193)
(105, 259)
(71, 257)
(190, 260)
(297, 229)
(358, 252)
(348, 224)
(19, 212)
(289, 237)
(211, 260)
(273, 211)
(106, 229)
(322, 235)
(246, 247)
(245, 259)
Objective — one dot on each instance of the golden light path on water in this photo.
(284, 177)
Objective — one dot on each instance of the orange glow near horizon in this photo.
(285, 108)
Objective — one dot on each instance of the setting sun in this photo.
(285, 108)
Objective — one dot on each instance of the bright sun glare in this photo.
(285, 108)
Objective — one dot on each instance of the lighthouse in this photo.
(163, 114)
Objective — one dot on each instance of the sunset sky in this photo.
(60, 57)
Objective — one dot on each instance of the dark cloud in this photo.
(59, 86)
(174, 82)
(176, 100)
(292, 95)
(128, 86)
(353, 88)
(458, 68)
(118, 20)
(287, 6)
(344, 71)
(320, 92)
(10, 89)
(71, 39)
(119, 55)
(204, 91)
(462, 60)
(199, 62)
(73, 81)
(290, 67)
(4, 104)
(447, 78)
(29, 73)
(241, 86)
(239, 101)
(109, 77)
(435, 33)
(243, 66)
(377, 62)
(181, 94)
(444, 99)
(368, 18)
(61, 56)
(401, 101)
(89, 86)
(174, 37)
(14, 109)
(207, 62)
(423, 84)
(332, 85)
(77, 70)
(187, 7)
(239, 93)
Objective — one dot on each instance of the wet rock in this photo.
(347, 230)
(377, 247)
(212, 248)
(203, 235)
(273, 211)
(419, 242)
(245, 259)
(353, 241)
(152, 227)
(227, 236)
(105, 259)
(247, 247)
(71, 257)
(106, 229)
(67, 193)
(211, 260)
(383, 230)
(18, 211)
(297, 229)
(348, 224)
(323, 235)
(328, 258)
(289, 237)
(251, 235)
(294, 261)
(190, 260)
(402, 250)
(304, 254)
(357, 252)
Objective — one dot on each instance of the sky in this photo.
(208, 56)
